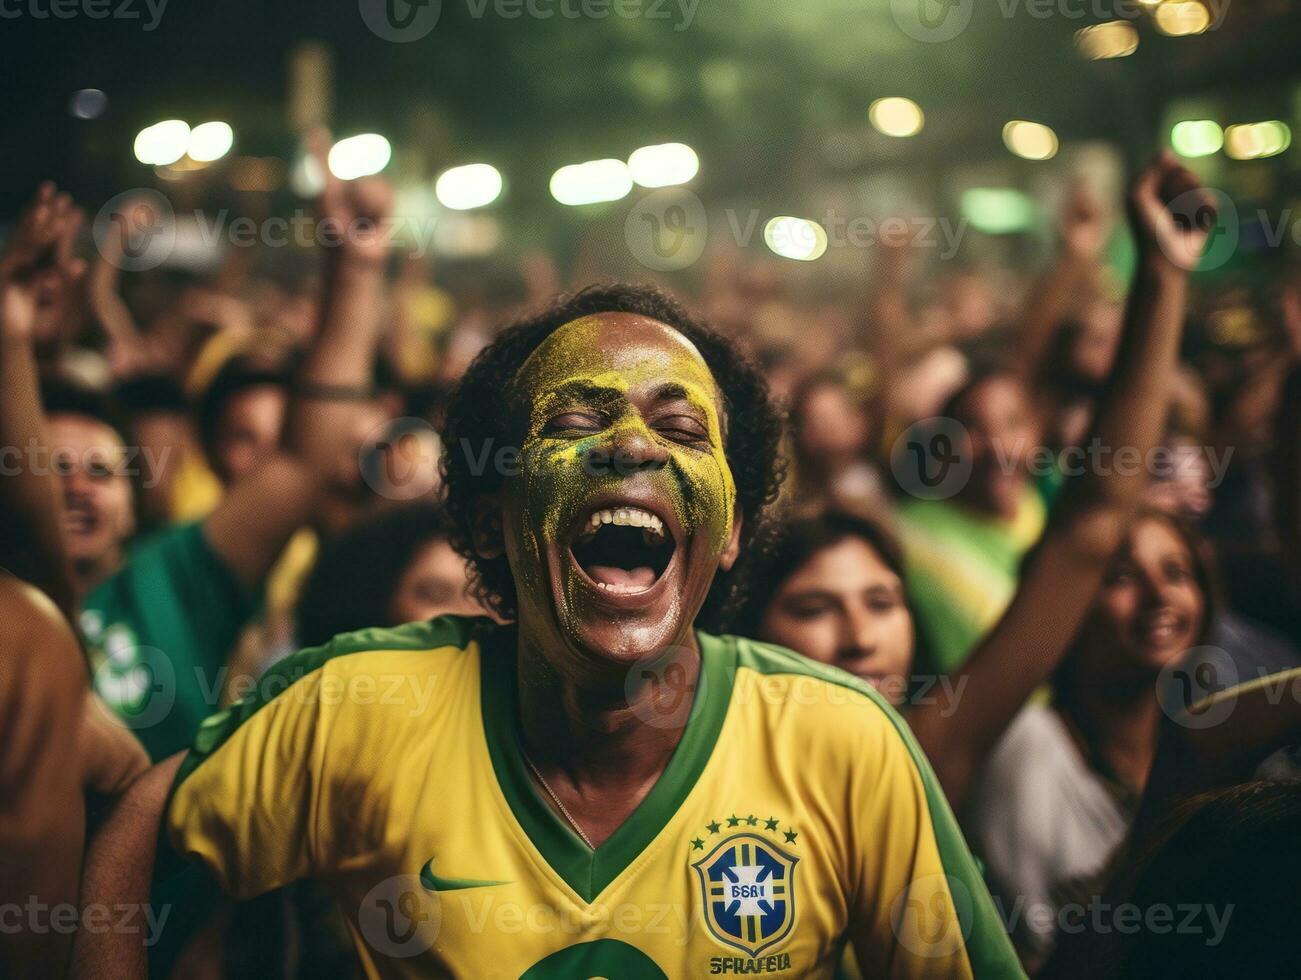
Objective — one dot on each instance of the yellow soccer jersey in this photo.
(796, 814)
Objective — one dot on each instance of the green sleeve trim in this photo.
(216, 729)
(988, 947)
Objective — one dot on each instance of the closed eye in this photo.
(682, 429)
(573, 422)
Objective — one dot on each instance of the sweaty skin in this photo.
(620, 409)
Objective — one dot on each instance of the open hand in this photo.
(38, 272)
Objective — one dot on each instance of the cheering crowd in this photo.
(1051, 520)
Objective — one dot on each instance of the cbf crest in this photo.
(748, 890)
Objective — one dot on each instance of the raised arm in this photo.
(1083, 234)
(1095, 510)
(258, 515)
(37, 262)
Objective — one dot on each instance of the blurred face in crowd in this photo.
(249, 430)
(845, 607)
(1003, 431)
(624, 506)
(970, 304)
(1151, 606)
(1093, 349)
(90, 459)
(1187, 493)
(832, 428)
(163, 436)
(433, 585)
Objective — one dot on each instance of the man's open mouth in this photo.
(623, 550)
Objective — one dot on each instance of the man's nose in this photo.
(629, 449)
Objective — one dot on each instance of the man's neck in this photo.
(600, 748)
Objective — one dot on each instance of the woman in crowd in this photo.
(1151, 598)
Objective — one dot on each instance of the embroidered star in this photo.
(733, 820)
(770, 823)
(790, 836)
(752, 820)
(712, 827)
(697, 845)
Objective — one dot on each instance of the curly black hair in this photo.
(480, 417)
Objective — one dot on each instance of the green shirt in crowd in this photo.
(963, 568)
(160, 630)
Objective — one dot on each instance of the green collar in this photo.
(586, 871)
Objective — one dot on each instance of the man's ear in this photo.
(489, 541)
(732, 550)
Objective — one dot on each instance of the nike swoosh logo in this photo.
(437, 884)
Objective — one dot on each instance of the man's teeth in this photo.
(622, 589)
(627, 517)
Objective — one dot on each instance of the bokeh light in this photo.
(359, 156)
(1257, 141)
(795, 238)
(593, 182)
(1030, 140)
(1114, 39)
(87, 103)
(210, 141)
(162, 143)
(997, 210)
(896, 116)
(663, 165)
(1196, 137)
(1182, 18)
(473, 185)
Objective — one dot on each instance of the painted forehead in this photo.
(620, 351)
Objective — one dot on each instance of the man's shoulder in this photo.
(772, 680)
(371, 667)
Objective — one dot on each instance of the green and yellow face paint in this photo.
(625, 504)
